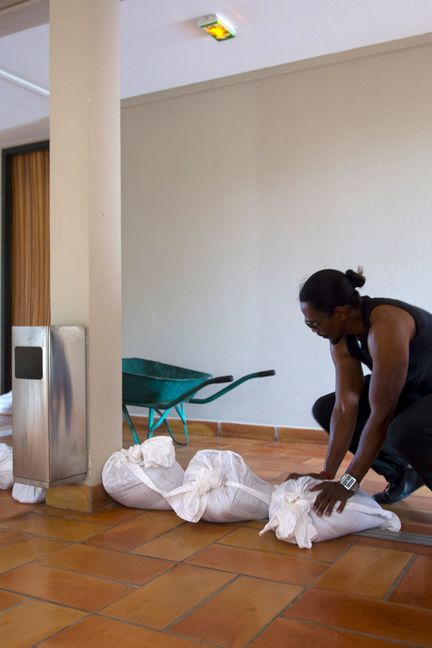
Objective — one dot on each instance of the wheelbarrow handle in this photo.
(264, 374)
(219, 379)
(258, 374)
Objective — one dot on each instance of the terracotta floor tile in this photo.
(184, 540)
(98, 632)
(234, 616)
(53, 527)
(381, 618)
(249, 539)
(416, 586)
(132, 534)
(419, 501)
(286, 633)
(415, 527)
(107, 564)
(411, 515)
(109, 516)
(64, 587)
(162, 601)
(286, 569)
(7, 600)
(9, 507)
(8, 537)
(33, 621)
(366, 571)
(390, 544)
(255, 524)
(26, 550)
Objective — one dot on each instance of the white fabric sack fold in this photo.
(220, 487)
(6, 466)
(6, 403)
(292, 519)
(26, 494)
(141, 476)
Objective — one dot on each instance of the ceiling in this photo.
(162, 47)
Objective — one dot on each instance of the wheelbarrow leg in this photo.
(150, 423)
(180, 412)
(154, 424)
(130, 424)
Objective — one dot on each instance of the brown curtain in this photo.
(30, 250)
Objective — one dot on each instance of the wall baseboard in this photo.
(270, 433)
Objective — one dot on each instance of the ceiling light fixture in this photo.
(217, 26)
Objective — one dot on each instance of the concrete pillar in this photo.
(85, 214)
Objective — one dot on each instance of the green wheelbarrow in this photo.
(162, 387)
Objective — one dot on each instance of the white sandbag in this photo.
(27, 494)
(6, 467)
(6, 403)
(220, 487)
(292, 519)
(141, 476)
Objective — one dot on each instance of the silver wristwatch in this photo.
(349, 482)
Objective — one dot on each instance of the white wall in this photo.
(232, 195)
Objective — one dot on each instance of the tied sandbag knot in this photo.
(206, 480)
(134, 454)
(296, 503)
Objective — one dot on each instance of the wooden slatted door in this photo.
(30, 246)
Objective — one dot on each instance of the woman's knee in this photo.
(410, 430)
(397, 434)
(322, 410)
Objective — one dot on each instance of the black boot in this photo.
(399, 489)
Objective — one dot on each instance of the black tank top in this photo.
(419, 377)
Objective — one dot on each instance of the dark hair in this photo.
(327, 289)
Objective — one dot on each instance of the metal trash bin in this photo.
(49, 405)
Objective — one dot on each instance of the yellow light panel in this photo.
(218, 27)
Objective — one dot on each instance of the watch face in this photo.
(348, 481)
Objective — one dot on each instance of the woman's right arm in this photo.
(349, 386)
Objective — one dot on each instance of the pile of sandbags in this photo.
(141, 476)
(219, 486)
(292, 518)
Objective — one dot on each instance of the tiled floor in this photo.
(125, 577)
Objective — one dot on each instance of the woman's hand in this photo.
(331, 493)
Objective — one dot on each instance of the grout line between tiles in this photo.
(275, 553)
(313, 582)
(194, 553)
(368, 635)
(161, 631)
(47, 600)
(272, 620)
(58, 632)
(399, 578)
(202, 602)
(133, 586)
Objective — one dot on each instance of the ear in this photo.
(341, 312)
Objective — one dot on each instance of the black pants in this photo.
(409, 435)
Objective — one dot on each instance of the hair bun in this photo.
(356, 278)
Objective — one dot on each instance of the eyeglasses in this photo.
(316, 323)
